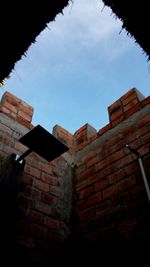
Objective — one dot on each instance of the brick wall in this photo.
(44, 194)
(92, 199)
(111, 206)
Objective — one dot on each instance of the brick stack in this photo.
(16, 109)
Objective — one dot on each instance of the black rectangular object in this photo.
(43, 143)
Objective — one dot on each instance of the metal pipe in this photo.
(26, 153)
(144, 178)
(137, 154)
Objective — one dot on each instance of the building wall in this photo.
(110, 202)
(44, 193)
(88, 203)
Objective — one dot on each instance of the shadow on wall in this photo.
(10, 171)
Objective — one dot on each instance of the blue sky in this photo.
(79, 66)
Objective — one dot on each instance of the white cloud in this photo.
(84, 25)
(83, 20)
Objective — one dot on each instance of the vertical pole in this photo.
(136, 153)
(144, 178)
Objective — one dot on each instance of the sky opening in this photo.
(80, 64)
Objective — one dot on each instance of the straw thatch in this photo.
(20, 23)
(134, 15)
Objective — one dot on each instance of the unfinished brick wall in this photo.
(111, 205)
(92, 199)
(44, 196)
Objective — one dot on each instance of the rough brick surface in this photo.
(16, 109)
(109, 210)
(109, 189)
(44, 193)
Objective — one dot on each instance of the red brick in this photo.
(101, 184)
(127, 183)
(130, 105)
(35, 194)
(143, 121)
(26, 108)
(44, 208)
(112, 141)
(49, 199)
(88, 156)
(46, 168)
(132, 168)
(5, 110)
(34, 216)
(56, 191)
(82, 145)
(26, 241)
(146, 101)
(125, 161)
(87, 173)
(6, 139)
(116, 105)
(35, 172)
(86, 192)
(105, 172)
(5, 129)
(27, 179)
(39, 231)
(115, 115)
(25, 202)
(111, 191)
(137, 134)
(128, 94)
(98, 150)
(81, 185)
(13, 100)
(22, 121)
(87, 214)
(102, 164)
(129, 99)
(92, 161)
(19, 147)
(9, 150)
(49, 179)
(144, 150)
(90, 201)
(80, 169)
(132, 110)
(104, 129)
(41, 185)
(81, 129)
(10, 107)
(118, 120)
(146, 138)
(27, 169)
(137, 143)
(94, 178)
(115, 177)
(102, 206)
(51, 223)
(116, 156)
(94, 137)
(13, 115)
